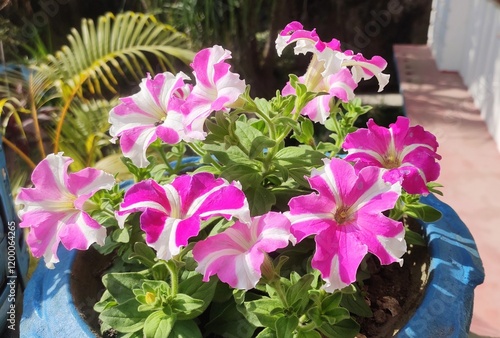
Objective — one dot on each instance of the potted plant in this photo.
(273, 230)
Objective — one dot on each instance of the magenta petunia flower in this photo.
(172, 213)
(154, 112)
(55, 209)
(409, 153)
(346, 215)
(216, 88)
(236, 255)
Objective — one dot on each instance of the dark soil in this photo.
(86, 285)
(392, 292)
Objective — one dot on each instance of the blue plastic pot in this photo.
(446, 310)
(14, 256)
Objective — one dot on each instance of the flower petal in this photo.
(53, 208)
(155, 111)
(215, 88)
(49, 178)
(81, 231)
(237, 254)
(408, 152)
(206, 196)
(338, 256)
(160, 233)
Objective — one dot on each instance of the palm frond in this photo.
(122, 45)
(84, 133)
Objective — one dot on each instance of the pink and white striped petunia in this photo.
(154, 112)
(328, 53)
(330, 56)
(216, 88)
(346, 215)
(172, 213)
(365, 69)
(408, 153)
(237, 254)
(55, 209)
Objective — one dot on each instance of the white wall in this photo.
(464, 36)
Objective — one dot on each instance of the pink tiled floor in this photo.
(470, 168)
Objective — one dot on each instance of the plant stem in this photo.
(174, 277)
(200, 152)
(34, 116)
(19, 152)
(306, 327)
(64, 111)
(276, 285)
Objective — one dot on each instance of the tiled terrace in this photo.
(470, 167)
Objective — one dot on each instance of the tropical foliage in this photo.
(60, 101)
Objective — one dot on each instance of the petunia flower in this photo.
(154, 112)
(365, 69)
(172, 213)
(346, 216)
(56, 208)
(216, 88)
(237, 254)
(329, 55)
(408, 153)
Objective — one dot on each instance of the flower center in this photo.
(392, 162)
(160, 122)
(313, 79)
(341, 215)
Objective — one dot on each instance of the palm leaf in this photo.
(120, 45)
(84, 133)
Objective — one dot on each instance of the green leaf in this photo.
(433, 188)
(260, 199)
(247, 175)
(199, 290)
(267, 333)
(158, 325)
(331, 302)
(226, 320)
(185, 329)
(423, 211)
(124, 317)
(246, 134)
(414, 238)
(306, 132)
(295, 295)
(133, 335)
(259, 144)
(303, 156)
(262, 105)
(105, 302)
(336, 315)
(286, 325)
(265, 311)
(185, 306)
(345, 329)
(355, 303)
(144, 254)
(308, 334)
(121, 284)
(231, 155)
